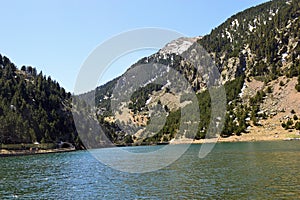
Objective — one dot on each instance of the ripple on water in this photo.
(264, 170)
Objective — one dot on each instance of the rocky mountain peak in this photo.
(179, 45)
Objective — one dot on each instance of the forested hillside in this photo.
(259, 39)
(33, 107)
(261, 44)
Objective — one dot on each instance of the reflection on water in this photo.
(261, 170)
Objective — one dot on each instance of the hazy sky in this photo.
(56, 36)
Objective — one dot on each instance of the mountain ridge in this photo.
(260, 43)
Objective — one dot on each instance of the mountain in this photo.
(33, 107)
(257, 52)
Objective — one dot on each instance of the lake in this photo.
(253, 170)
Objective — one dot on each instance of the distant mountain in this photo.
(33, 107)
(257, 52)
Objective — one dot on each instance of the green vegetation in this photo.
(169, 130)
(139, 97)
(33, 107)
(235, 121)
(290, 124)
(247, 28)
(233, 88)
(297, 126)
(28, 146)
(297, 87)
(269, 89)
(257, 99)
(295, 117)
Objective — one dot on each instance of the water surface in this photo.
(258, 170)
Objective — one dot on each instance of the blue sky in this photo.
(56, 36)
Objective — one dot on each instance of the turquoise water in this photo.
(260, 170)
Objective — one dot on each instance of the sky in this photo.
(57, 36)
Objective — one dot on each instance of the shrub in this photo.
(269, 89)
(283, 125)
(281, 83)
(289, 123)
(297, 126)
(128, 139)
(297, 87)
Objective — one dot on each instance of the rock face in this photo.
(178, 46)
(257, 53)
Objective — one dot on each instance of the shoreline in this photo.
(257, 136)
(9, 153)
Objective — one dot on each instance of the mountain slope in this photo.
(259, 46)
(33, 108)
(263, 44)
(263, 38)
